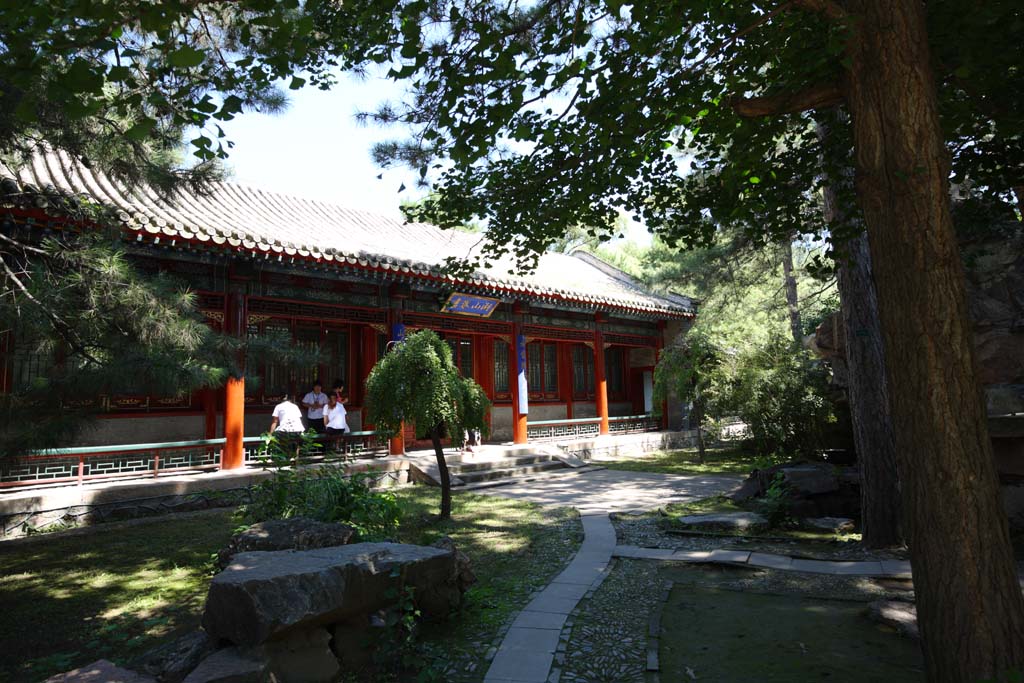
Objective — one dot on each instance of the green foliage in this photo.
(618, 107)
(687, 369)
(323, 493)
(776, 501)
(780, 392)
(417, 382)
(122, 85)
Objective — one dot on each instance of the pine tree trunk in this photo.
(969, 604)
(442, 468)
(865, 359)
(869, 399)
(792, 299)
(698, 408)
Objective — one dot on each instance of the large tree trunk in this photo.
(792, 299)
(969, 604)
(445, 476)
(865, 359)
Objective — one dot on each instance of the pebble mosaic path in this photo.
(529, 648)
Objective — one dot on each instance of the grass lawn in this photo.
(120, 589)
(69, 599)
(724, 460)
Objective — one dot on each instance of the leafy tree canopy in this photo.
(601, 105)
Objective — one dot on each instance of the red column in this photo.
(600, 383)
(234, 391)
(519, 431)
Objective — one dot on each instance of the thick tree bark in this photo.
(445, 475)
(865, 359)
(869, 399)
(792, 298)
(969, 604)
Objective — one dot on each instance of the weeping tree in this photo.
(417, 382)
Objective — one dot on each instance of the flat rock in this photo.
(100, 671)
(295, 533)
(727, 521)
(230, 665)
(811, 479)
(266, 595)
(902, 616)
(839, 525)
(173, 661)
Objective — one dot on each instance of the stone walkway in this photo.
(896, 569)
(604, 491)
(528, 649)
(527, 652)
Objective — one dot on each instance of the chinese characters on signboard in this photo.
(469, 304)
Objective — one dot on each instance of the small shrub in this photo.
(324, 493)
(776, 501)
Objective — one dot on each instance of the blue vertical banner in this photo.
(524, 393)
(398, 332)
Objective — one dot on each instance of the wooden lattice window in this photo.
(501, 368)
(542, 369)
(582, 372)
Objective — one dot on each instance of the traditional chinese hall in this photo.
(567, 349)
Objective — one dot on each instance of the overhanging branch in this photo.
(815, 97)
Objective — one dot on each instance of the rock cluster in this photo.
(299, 616)
(815, 489)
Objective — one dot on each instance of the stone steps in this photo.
(516, 471)
(464, 467)
(538, 476)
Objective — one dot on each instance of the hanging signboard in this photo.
(470, 304)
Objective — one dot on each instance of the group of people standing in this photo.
(324, 412)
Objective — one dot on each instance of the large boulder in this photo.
(296, 533)
(269, 595)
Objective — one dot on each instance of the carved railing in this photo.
(78, 465)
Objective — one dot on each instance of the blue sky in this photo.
(316, 149)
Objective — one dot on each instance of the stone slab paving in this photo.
(604, 491)
(528, 649)
(899, 569)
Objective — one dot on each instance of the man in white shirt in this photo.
(286, 418)
(314, 402)
(335, 421)
(286, 424)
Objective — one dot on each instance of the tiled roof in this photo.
(247, 219)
